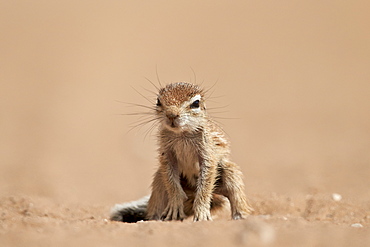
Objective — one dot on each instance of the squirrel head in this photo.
(181, 107)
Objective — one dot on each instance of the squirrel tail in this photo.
(130, 211)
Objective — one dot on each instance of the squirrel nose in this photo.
(172, 115)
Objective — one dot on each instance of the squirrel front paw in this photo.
(202, 214)
(174, 211)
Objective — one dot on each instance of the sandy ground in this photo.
(290, 85)
(313, 220)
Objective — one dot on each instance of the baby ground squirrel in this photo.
(195, 173)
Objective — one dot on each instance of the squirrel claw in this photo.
(202, 216)
(173, 213)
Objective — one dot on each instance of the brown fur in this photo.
(195, 173)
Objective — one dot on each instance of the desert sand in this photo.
(289, 84)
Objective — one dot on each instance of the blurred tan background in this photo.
(294, 74)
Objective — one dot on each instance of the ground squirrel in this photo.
(195, 173)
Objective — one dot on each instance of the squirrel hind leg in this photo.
(218, 202)
(230, 184)
(130, 212)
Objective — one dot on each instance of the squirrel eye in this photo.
(159, 102)
(195, 104)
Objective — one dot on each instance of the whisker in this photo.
(151, 102)
(139, 105)
(212, 87)
(143, 120)
(151, 128)
(150, 91)
(228, 118)
(195, 77)
(216, 97)
(152, 83)
(201, 84)
(143, 123)
(137, 113)
(217, 108)
(217, 112)
(159, 81)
